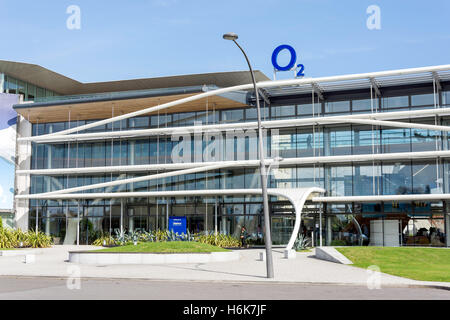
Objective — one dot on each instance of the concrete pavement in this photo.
(304, 268)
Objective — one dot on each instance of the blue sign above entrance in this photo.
(300, 68)
(178, 225)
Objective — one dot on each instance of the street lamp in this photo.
(269, 260)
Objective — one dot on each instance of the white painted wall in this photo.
(23, 160)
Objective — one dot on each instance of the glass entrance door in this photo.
(282, 228)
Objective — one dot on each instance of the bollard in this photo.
(262, 256)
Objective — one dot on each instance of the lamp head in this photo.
(230, 36)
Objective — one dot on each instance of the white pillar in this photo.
(131, 221)
(329, 231)
(22, 182)
(121, 216)
(320, 226)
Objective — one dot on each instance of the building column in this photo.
(2, 82)
(22, 182)
(131, 221)
(447, 229)
(329, 231)
(121, 215)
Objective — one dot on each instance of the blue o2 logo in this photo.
(300, 68)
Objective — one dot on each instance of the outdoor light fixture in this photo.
(268, 239)
(230, 36)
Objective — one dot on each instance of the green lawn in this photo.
(426, 264)
(169, 247)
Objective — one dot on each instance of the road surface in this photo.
(53, 288)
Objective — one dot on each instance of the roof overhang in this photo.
(58, 109)
(63, 85)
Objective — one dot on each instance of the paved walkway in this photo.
(305, 268)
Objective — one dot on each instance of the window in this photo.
(310, 177)
(139, 122)
(446, 97)
(424, 100)
(340, 181)
(395, 102)
(397, 178)
(283, 111)
(21, 89)
(340, 141)
(309, 143)
(11, 85)
(367, 180)
(425, 140)
(362, 140)
(425, 178)
(236, 115)
(365, 104)
(40, 92)
(284, 144)
(306, 110)
(337, 107)
(396, 140)
(251, 114)
(31, 92)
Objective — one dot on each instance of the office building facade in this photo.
(376, 144)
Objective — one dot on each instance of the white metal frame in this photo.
(263, 84)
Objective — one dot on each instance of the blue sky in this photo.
(151, 38)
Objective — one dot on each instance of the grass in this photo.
(166, 247)
(425, 264)
(304, 250)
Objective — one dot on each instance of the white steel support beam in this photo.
(317, 90)
(263, 84)
(57, 137)
(242, 163)
(375, 87)
(263, 95)
(403, 197)
(437, 81)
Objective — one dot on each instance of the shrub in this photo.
(10, 238)
(219, 240)
(105, 240)
(302, 243)
(38, 240)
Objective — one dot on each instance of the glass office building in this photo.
(368, 170)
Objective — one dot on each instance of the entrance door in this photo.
(282, 228)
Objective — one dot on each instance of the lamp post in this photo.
(268, 239)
